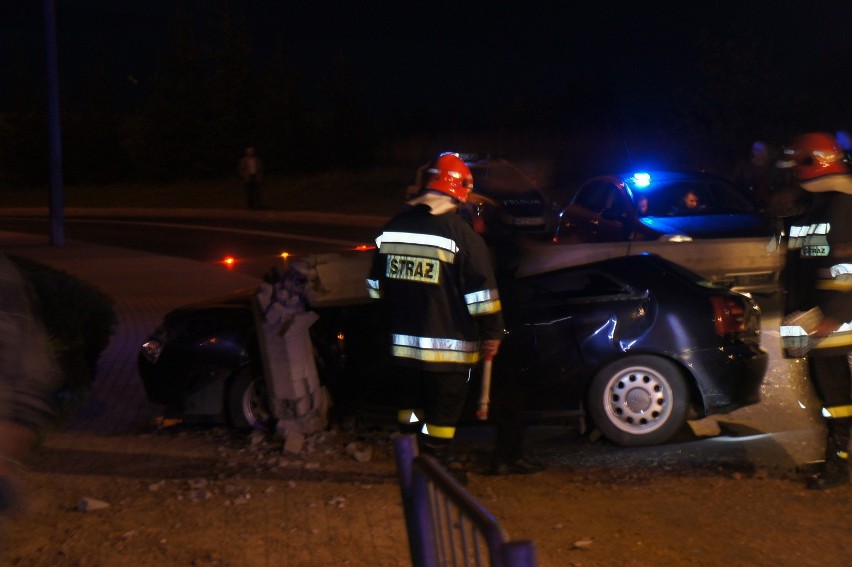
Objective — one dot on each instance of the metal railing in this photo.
(446, 525)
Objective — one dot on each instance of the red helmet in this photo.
(814, 155)
(449, 174)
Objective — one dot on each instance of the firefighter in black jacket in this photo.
(818, 282)
(434, 276)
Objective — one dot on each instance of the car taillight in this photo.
(729, 314)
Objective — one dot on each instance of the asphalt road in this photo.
(255, 244)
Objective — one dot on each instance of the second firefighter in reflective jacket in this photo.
(433, 275)
(818, 287)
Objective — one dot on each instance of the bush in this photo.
(78, 317)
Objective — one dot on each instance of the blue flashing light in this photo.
(641, 179)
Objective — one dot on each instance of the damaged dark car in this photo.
(634, 346)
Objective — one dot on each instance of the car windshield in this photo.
(689, 196)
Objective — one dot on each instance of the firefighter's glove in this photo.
(489, 348)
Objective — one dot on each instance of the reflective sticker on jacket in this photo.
(811, 240)
(483, 302)
(431, 349)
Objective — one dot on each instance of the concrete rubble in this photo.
(361, 453)
(242, 458)
(297, 400)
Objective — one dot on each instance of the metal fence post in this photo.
(445, 524)
(519, 554)
(414, 502)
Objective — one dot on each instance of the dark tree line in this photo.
(192, 118)
(210, 96)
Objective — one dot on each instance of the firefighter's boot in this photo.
(834, 473)
(440, 450)
(836, 469)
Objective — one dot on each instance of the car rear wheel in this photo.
(640, 400)
(246, 402)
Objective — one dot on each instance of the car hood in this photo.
(711, 226)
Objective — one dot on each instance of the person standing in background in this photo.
(845, 143)
(251, 172)
(757, 176)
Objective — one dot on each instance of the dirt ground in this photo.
(207, 496)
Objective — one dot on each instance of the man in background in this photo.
(251, 172)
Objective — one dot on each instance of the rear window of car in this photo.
(576, 285)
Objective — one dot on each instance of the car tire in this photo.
(639, 400)
(246, 404)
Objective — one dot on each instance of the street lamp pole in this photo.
(57, 232)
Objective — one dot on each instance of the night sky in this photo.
(465, 56)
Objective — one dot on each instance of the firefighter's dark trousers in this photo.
(431, 404)
(832, 379)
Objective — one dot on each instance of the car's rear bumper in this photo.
(729, 378)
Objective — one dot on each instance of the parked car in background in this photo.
(635, 345)
(695, 219)
(504, 197)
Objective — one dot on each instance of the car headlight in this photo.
(151, 349)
